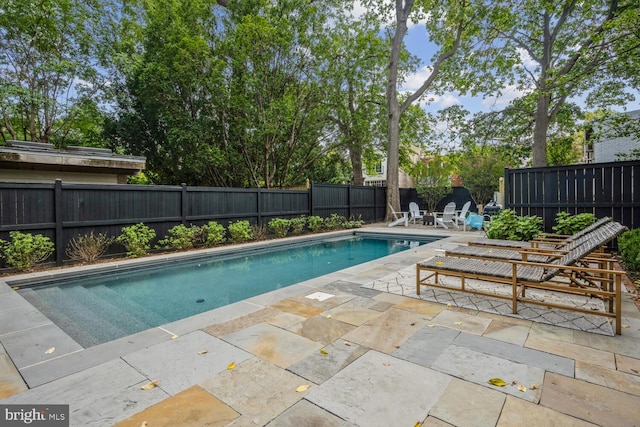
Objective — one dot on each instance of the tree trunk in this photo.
(356, 165)
(539, 149)
(393, 150)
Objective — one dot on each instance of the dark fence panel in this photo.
(459, 195)
(604, 189)
(64, 211)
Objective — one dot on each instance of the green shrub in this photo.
(240, 231)
(629, 247)
(26, 250)
(334, 222)
(212, 234)
(354, 223)
(180, 237)
(298, 225)
(570, 224)
(136, 239)
(315, 223)
(279, 226)
(88, 247)
(508, 225)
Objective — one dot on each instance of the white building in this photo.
(608, 148)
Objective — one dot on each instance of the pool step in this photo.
(72, 328)
(109, 311)
(82, 322)
(143, 313)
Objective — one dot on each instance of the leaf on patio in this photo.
(431, 326)
(533, 386)
(149, 386)
(448, 304)
(231, 366)
(347, 343)
(328, 316)
(499, 382)
(418, 424)
(625, 326)
(51, 350)
(302, 388)
(457, 323)
(15, 288)
(173, 337)
(203, 352)
(522, 388)
(386, 364)
(323, 351)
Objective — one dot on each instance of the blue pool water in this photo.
(99, 309)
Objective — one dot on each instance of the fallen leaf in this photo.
(203, 352)
(533, 386)
(448, 304)
(413, 324)
(431, 326)
(173, 337)
(625, 326)
(418, 424)
(144, 424)
(51, 350)
(386, 364)
(635, 371)
(522, 388)
(323, 351)
(328, 316)
(231, 366)
(149, 386)
(302, 388)
(457, 323)
(15, 288)
(347, 343)
(499, 382)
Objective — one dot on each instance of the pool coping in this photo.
(42, 352)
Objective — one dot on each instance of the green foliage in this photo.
(508, 225)
(212, 233)
(570, 224)
(180, 237)
(136, 239)
(433, 181)
(629, 247)
(333, 222)
(354, 222)
(240, 231)
(26, 250)
(280, 226)
(480, 172)
(298, 225)
(88, 247)
(315, 223)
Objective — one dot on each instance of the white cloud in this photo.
(414, 81)
(526, 59)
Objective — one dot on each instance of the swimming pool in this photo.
(106, 306)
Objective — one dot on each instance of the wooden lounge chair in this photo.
(560, 275)
(546, 241)
(605, 233)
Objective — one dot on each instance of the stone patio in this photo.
(360, 357)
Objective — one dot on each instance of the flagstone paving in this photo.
(332, 352)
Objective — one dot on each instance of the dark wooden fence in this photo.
(63, 211)
(604, 189)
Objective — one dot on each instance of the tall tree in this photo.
(47, 68)
(452, 29)
(567, 48)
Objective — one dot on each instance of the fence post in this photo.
(310, 192)
(183, 204)
(259, 207)
(59, 238)
(349, 201)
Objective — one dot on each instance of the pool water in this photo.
(99, 309)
